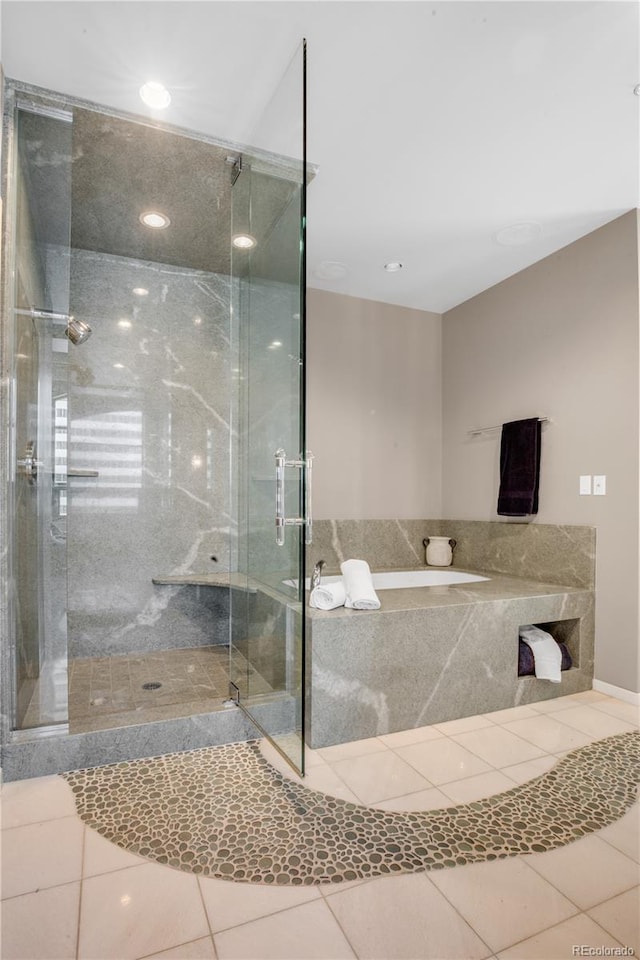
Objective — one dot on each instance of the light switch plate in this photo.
(599, 486)
(585, 486)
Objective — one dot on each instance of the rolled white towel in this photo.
(328, 596)
(547, 655)
(359, 586)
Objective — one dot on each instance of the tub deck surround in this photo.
(433, 654)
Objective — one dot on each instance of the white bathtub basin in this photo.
(398, 579)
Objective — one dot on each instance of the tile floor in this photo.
(67, 892)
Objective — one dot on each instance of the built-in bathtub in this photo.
(436, 652)
(404, 579)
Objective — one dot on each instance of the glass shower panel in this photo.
(267, 623)
(41, 197)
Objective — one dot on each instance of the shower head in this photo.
(77, 330)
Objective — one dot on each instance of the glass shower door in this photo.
(272, 468)
(39, 303)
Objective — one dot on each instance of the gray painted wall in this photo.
(558, 339)
(374, 408)
(393, 393)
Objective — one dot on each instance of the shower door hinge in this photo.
(236, 167)
(234, 696)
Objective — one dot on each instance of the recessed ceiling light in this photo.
(331, 270)
(393, 266)
(517, 234)
(275, 344)
(152, 218)
(197, 320)
(155, 95)
(140, 291)
(244, 241)
(118, 366)
(124, 323)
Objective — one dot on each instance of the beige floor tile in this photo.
(498, 746)
(42, 925)
(618, 708)
(547, 733)
(552, 705)
(102, 856)
(404, 917)
(196, 950)
(510, 714)
(416, 735)
(431, 799)
(441, 761)
(621, 917)
(595, 723)
(624, 834)
(505, 901)
(312, 759)
(523, 772)
(589, 696)
(560, 940)
(41, 855)
(139, 911)
(230, 904)
(31, 801)
(462, 725)
(307, 932)
(587, 871)
(478, 787)
(380, 776)
(355, 748)
(326, 780)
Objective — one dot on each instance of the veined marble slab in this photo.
(437, 653)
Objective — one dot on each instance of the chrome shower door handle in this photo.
(281, 460)
(308, 496)
(283, 521)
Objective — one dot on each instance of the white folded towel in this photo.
(547, 655)
(359, 586)
(328, 596)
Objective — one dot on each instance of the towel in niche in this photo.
(527, 665)
(547, 655)
(519, 468)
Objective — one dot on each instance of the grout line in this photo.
(526, 858)
(84, 838)
(582, 913)
(177, 945)
(492, 952)
(206, 915)
(271, 913)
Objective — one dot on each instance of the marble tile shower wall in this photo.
(149, 410)
(551, 553)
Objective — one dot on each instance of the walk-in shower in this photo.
(146, 581)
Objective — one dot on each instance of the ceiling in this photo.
(434, 126)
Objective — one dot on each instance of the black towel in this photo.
(519, 468)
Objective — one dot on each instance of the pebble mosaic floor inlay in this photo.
(226, 812)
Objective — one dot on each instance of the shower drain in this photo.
(151, 686)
